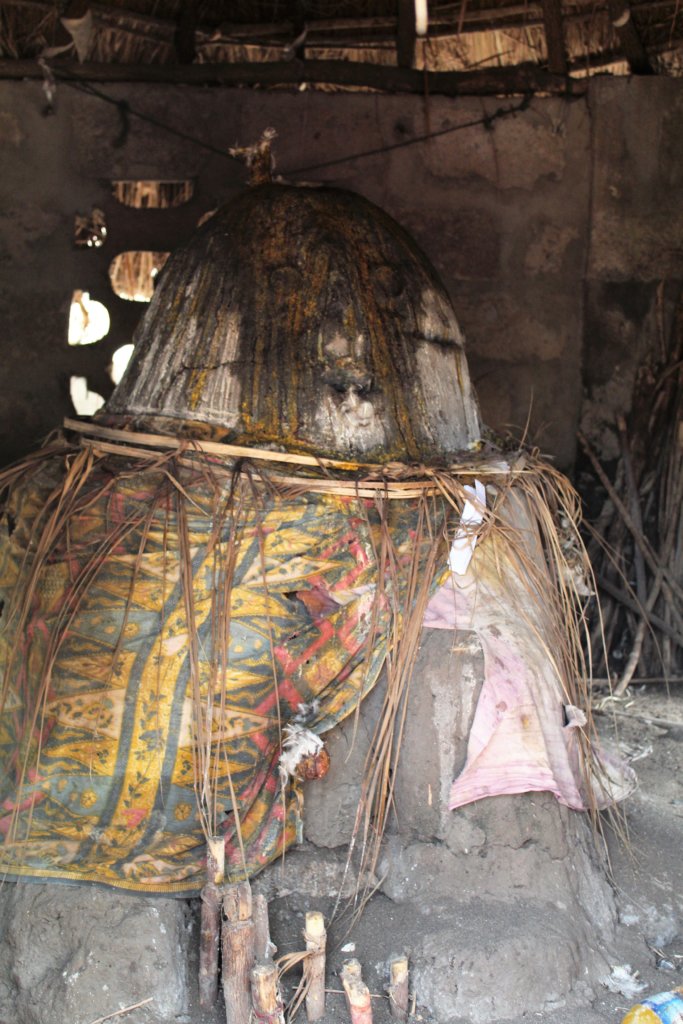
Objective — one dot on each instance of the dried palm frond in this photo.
(543, 558)
(287, 963)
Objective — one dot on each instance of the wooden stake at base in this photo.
(264, 948)
(210, 927)
(238, 952)
(398, 987)
(357, 993)
(351, 968)
(265, 993)
(209, 940)
(314, 965)
(237, 902)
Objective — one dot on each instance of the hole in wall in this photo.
(84, 401)
(90, 232)
(119, 362)
(132, 274)
(88, 319)
(146, 194)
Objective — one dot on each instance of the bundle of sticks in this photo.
(636, 541)
(235, 929)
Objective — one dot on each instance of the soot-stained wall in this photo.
(557, 229)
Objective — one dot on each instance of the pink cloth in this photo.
(523, 737)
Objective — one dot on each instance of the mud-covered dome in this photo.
(307, 318)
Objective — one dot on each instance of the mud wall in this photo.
(557, 228)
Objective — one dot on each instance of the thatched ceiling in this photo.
(575, 37)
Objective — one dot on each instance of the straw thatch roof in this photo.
(578, 37)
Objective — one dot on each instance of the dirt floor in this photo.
(648, 874)
(544, 938)
(647, 877)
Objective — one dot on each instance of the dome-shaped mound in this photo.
(306, 318)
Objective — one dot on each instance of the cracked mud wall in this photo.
(553, 228)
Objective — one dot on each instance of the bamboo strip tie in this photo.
(211, 447)
(392, 475)
(391, 489)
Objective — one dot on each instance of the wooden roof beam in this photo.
(522, 79)
(405, 34)
(184, 37)
(554, 36)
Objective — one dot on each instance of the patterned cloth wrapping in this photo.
(96, 726)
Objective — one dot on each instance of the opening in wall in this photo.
(119, 362)
(90, 232)
(133, 274)
(85, 402)
(88, 319)
(153, 195)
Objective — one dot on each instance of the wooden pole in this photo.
(554, 36)
(238, 952)
(210, 926)
(184, 37)
(357, 993)
(398, 987)
(314, 965)
(645, 599)
(642, 542)
(264, 947)
(209, 939)
(524, 78)
(629, 37)
(405, 34)
(265, 993)
(628, 602)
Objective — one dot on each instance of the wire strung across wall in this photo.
(486, 121)
(126, 112)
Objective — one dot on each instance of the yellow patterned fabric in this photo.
(139, 600)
